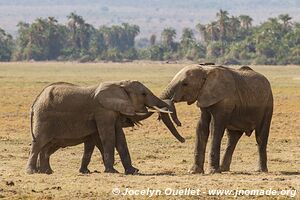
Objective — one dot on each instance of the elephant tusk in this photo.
(162, 110)
(140, 114)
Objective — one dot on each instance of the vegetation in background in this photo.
(227, 40)
(6, 46)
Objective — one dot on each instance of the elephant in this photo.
(128, 121)
(94, 140)
(236, 100)
(65, 114)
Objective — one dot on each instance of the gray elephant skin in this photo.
(237, 100)
(65, 114)
(125, 121)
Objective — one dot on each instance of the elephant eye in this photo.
(184, 84)
(144, 94)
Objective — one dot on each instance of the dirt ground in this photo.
(163, 161)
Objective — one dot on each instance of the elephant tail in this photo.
(31, 124)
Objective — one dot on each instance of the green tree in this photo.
(222, 20)
(202, 29)
(246, 21)
(286, 20)
(167, 37)
(129, 34)
(188, 45)
(152, 39)
(213, 31)
(6, 46)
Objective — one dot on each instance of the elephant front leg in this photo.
(123, 151)
(202, 132)
(233, 138)
(106, 130)
(218, 129)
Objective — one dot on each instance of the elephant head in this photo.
(132, 98)
(205, 84)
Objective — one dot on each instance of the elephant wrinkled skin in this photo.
(65, 114)
(236, 100)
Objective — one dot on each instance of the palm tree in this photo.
(203, 32)
(152, 39)
(187, 34)
(187, 38)
(167, 37)
(75, 23)
(246, 21)
(107, 35)
(285, 18)
(131, 31)
(222, 21)
(213, 31)
(6, 46)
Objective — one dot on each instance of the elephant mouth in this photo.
(190, 102)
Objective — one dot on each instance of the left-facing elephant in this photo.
(64, 114)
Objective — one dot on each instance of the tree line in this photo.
(227, 40)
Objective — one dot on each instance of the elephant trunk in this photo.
(167, 96)
(166, 119)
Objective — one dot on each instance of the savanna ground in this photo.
(163, 161)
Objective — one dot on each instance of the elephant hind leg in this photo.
(262, 135)
(36, 147)
(89, 146)
(45, 154)
(233, 138)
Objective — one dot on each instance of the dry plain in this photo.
(163, 162)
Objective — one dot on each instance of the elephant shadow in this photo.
(166, 173)
(290, 173)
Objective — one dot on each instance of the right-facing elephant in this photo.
(124, 122)
(65, 114)
(239, 100)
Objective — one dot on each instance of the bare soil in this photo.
(163, 161)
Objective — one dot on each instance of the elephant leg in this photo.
(41, 162)
(45, 158)
(36, 147)
(233, 138)
(123, 151)
(202, 132)
(218, 128)
(107, 133)
(262, 135)
(89, 146)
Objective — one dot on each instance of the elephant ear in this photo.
(114, 97)
(219, 84)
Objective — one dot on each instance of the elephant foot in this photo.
(224, 169)
(110, 170)
(215, 171)
(84, 171)
(265, 170)
(46, 171)
(31, 170)
(196, 170)
(131, 170)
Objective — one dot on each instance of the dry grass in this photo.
(161, 159)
